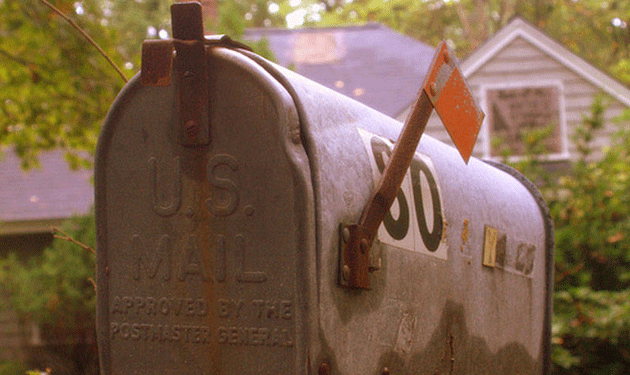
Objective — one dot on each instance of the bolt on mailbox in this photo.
(225, 187)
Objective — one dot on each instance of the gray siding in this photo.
(522, 62)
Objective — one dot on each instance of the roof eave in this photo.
(520, 28)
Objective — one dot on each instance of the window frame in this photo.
(486, 131)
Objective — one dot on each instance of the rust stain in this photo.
(452, 346)
(445, 226)
(464, 234)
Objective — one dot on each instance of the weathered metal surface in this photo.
(157, 62)
(355, 252)
(193, 73)
(444, 89)
(223, 258)
(434, 307)
(203, 253)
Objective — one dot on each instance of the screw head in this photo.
(345, 234)
(190, 212)
(433, 89)
(324, 369)
(363, 245)
(345, 271)
(191, 128)
(296, 137)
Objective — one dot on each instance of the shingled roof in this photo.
(33, 201)
(371, 63)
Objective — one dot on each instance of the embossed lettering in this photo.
(193, 261)
(139, 303)
(147, 306)
(162, 206)
(227, 205)
(286, 310)
(254, 336)
(241, 275)
(160, 333)
(151, 306)
(152, 261)
(273, 309)
(230, 308)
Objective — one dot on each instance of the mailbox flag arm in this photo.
(445, 90)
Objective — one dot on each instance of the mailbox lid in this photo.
(433, 308)
(204, 251)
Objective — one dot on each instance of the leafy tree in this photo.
(590, 206)
(55, 291)
(58, 88)
(596, 30)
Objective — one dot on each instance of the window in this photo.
(516, 112)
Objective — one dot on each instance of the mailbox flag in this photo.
(448, 92)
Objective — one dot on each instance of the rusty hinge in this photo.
(190, 64)
(185, 55)
(445, 90)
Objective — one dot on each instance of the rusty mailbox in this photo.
(225, 185)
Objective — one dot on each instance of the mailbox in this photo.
(223, 184)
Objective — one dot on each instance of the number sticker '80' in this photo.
(415, 220)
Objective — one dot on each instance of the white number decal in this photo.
(415, 221)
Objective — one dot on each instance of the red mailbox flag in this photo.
(453, 101)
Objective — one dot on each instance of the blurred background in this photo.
(551, 75)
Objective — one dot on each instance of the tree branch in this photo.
(17, 59)
(86, 36)
(66, 237)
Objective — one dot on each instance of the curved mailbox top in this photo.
(223, 257)
(466, 257)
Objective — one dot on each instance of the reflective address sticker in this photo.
(415, 220)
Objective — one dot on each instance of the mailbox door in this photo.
(204, 250)
(465, 256)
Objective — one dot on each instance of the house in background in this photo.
(372, 64)
(520, 77)
(524, 80)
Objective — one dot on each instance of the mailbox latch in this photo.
(189, 66)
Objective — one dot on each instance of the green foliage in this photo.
(60, 87)
(591, 331)
(590, 206)
(232, 23)
(55, 289)
(57, 90)
(596, 30)
(12, 368)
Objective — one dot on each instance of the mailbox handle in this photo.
(462, 119)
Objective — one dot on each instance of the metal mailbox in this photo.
(218, 235)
